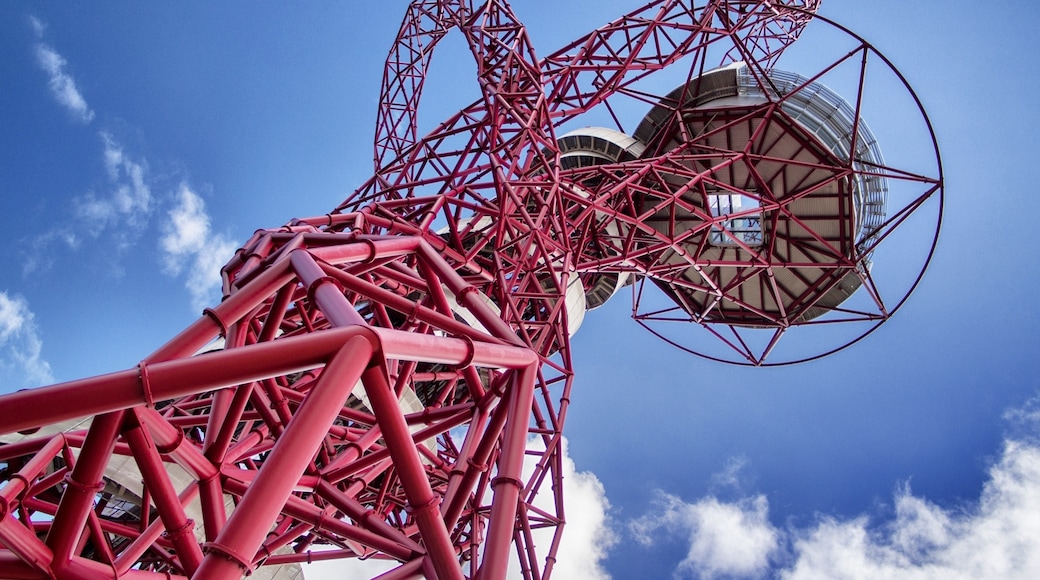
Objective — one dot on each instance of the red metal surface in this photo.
(393, 378)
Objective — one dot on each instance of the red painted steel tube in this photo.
(12, 567)
(365, 250)
(171, 379)
(507, 484)
(406, 571)
(365, 517)
(402, 304)
(465, 292)
(476, 464)
(343, 462)
(84, 482)
(40, 460)
(459, 486)
(84, 569)
(24, 447)
(98, 539)
(231, 554)
(178, 526)
(129, 555)
(326, 294)
(423, 503)
(398, 344)
(308, 512)
(171, 441)
(216, 450)
(23, 544)
(234, 307)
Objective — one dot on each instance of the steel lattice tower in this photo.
(391, 380)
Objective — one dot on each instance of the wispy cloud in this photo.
(189, 245)
(36, 254)
(121, 211)
(20, 346)
(122, 208)
(61, 83)
(128, 200)
(118, 209)
(997, 537)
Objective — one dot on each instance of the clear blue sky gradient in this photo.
(267, 111)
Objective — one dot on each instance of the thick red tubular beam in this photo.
(178, 527)
(25, 550)
(143, 542)
(507, 483)
(230, 556)
(168, 380)
(327, 296)
(424, 505)
(84, 483)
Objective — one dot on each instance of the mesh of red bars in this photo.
(391, 380)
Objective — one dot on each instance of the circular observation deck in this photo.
(758, 207)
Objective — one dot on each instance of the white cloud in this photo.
(188, 244)
(734, 476)
(20, 346)
(725, 539)
(128, 201)
(38, 257)
(61, 83)
(38, 26)
(123, 210)
(996, 537)
(120, 210)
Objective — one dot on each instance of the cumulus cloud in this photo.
(996, 537)
(588, 534)
(725, 539)
(20, 346)
(189, 245)
(62, 85)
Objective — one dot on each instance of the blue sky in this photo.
(141, 143)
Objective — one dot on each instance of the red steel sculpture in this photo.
(391, 380)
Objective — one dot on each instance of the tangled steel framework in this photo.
(391, 380)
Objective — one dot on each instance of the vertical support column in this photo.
(230, 556)
(179, 527)
(507, 484)
(83, 483)
(423, 503)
